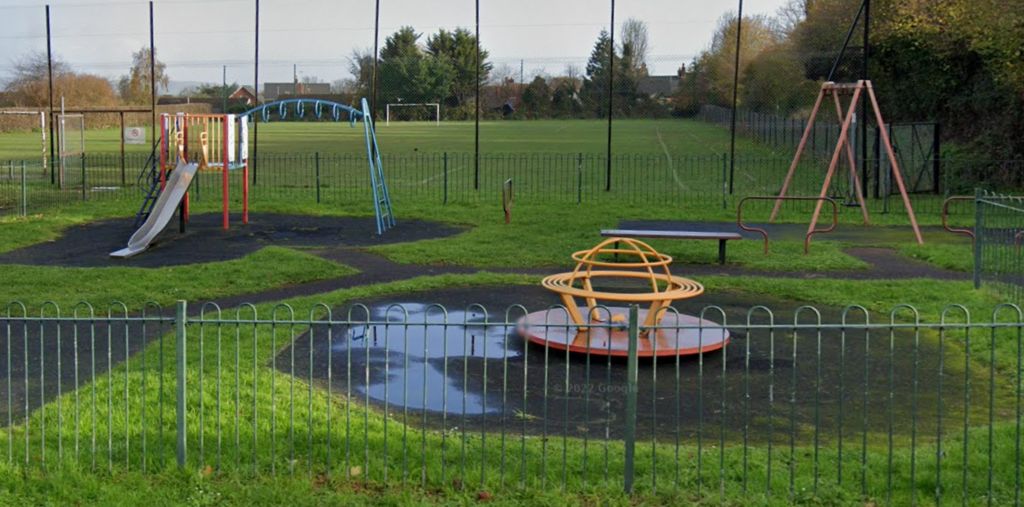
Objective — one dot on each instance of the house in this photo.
(275, 91)
(658, 86)
(244, 94)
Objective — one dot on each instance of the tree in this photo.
(634, 37)
(774, 83)
(360, 65)
(717, 65)
(536, 98)
(458, 49)
(29, 86)
(211, 90)
(408, 74)
(595, 84)
(401, 44)
(134, 88)
(819, 40)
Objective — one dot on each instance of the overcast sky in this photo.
(195, 38)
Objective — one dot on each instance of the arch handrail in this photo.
(336, 109)
(945, 216)
(764, 233)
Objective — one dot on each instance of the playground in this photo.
(440, 296)
(443, 280)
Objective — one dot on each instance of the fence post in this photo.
(83, 176)
(936, 159)
(180, 321)
(979, 226)
(629, 437)
(445, 170)
(24, 191)
(725, 182)
(317, 158)
(579, 178)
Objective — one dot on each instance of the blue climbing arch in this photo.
(329, 110)
(283, 109)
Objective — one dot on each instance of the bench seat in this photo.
(721, 236)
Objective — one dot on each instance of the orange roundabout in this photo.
(597, 328)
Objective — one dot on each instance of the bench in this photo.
(722, 237)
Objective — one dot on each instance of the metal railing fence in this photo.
(890, 407)
(451, 177)
(999, 233)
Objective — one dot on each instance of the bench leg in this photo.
(721, 251)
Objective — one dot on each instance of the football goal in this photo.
(71, 145)
(26, 120)
(422, 111)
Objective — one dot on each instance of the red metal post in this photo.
(887, 143)
(243, 158)
(844, 133)
(163, 147)
(799, 151)
(224, 168)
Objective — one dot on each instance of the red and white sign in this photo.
(134, 135)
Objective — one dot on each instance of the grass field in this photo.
(542, 235)
(677, 137)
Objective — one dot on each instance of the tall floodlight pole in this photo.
(611, 96)
(256, 92)
(863, 105)
(476, 121)
(735, 95)
(49, 74)
(373, 73)
(152, 75)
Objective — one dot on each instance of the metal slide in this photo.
(177, 185)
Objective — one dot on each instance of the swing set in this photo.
(843, 148)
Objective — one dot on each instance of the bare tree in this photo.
(135, 87)
(634, 36)
(360, 65)
(790, 15)
(572, 74)
(32, 68)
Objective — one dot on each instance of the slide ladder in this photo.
(381, 197)
(149, 180)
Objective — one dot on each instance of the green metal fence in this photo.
(999, 231)
(442, 178)
(888, 408)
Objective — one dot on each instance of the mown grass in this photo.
(541, 236)
(265, 269)
(676, 136)
(280, 414)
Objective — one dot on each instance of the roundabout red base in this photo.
(677, 334)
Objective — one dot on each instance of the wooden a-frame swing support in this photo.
(843, 145)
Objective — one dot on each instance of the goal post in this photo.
(30, 119)
(71, 145)
(435, 106)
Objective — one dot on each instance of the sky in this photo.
(315, 38)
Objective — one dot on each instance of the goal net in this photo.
(424, 111)
(71, 145)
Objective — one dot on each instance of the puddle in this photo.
(477, 375)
